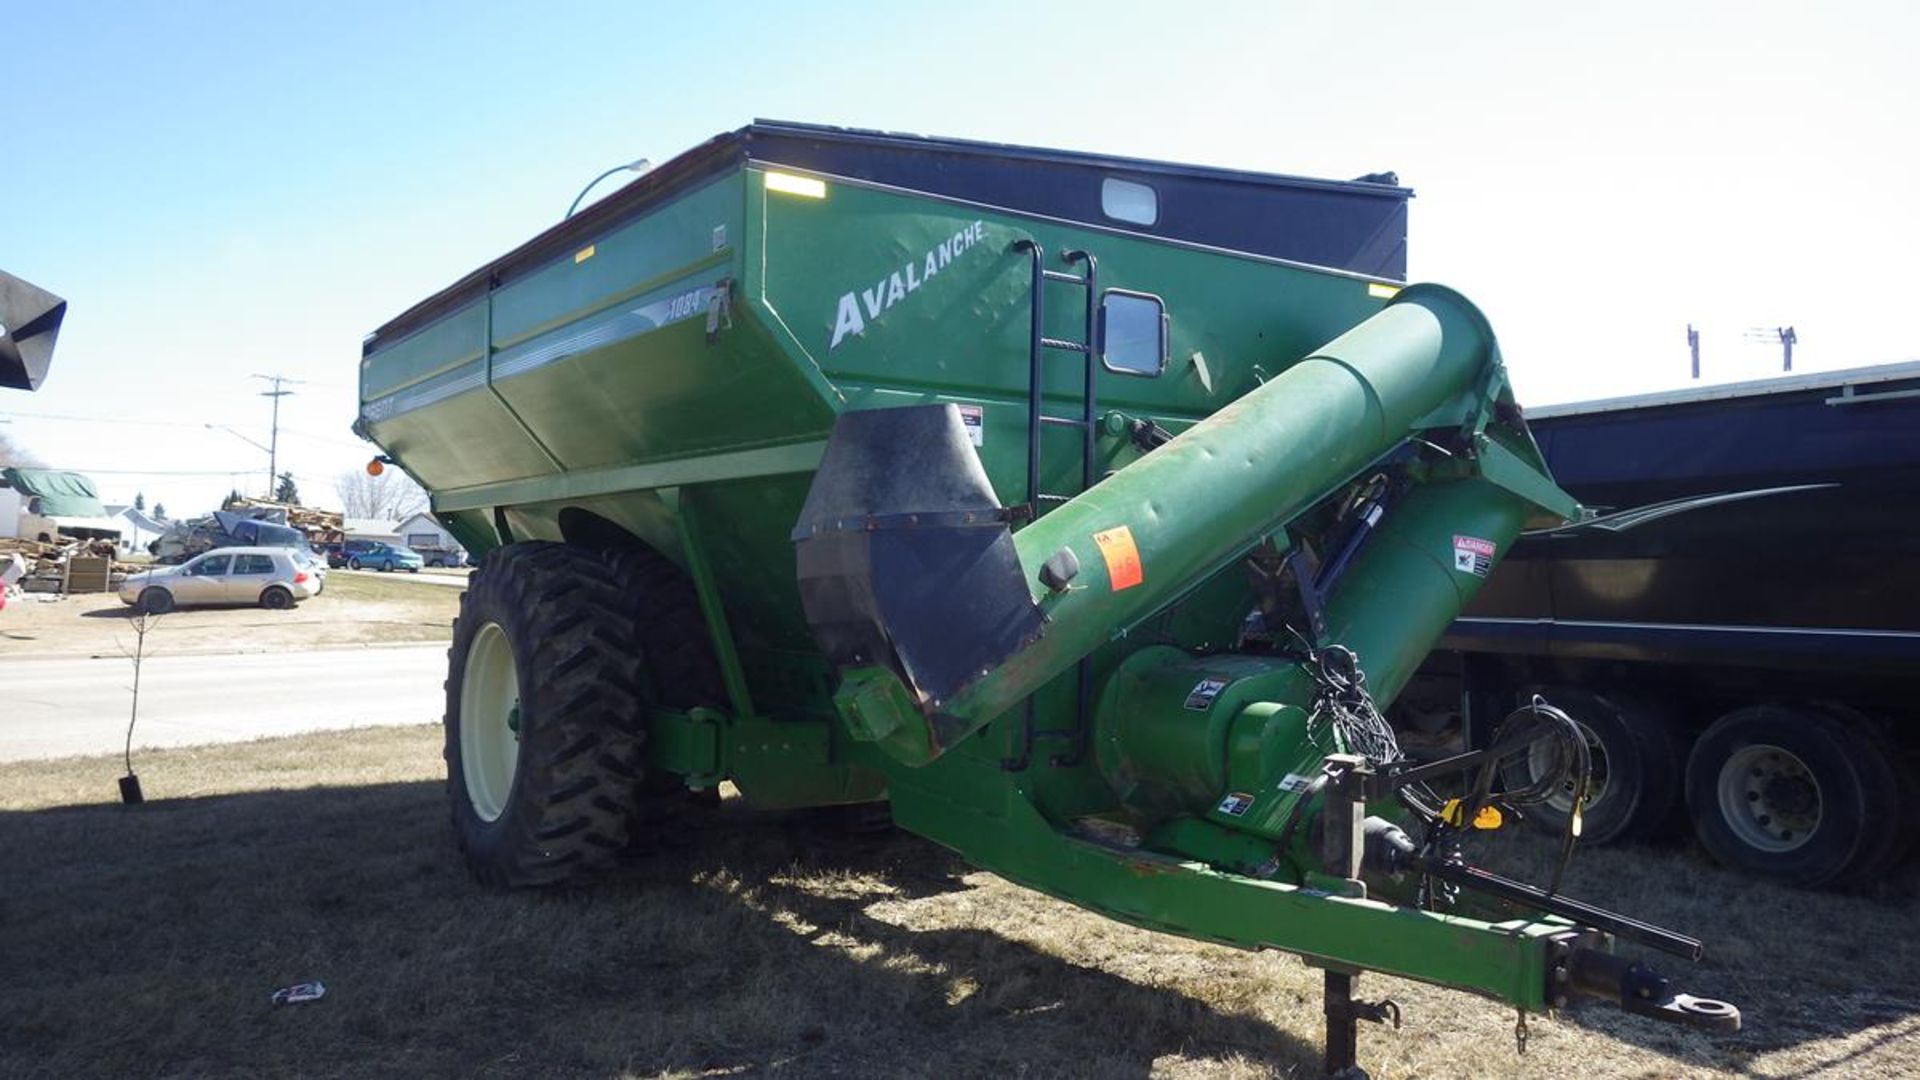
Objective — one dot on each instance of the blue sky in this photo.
(225, 189)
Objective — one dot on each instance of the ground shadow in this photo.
(144, 941)
(154, 934)
(127, 611)
(122, 612)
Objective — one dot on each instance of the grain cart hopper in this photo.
(1082, 508)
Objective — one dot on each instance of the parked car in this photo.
(449, 557)
(272, 577)
(385, 557)
(315, 563)
(338, 554)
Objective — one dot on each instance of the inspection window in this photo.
(1126, 200)
(1133, 332)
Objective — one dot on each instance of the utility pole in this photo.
(1693, 346)
(1783, 336)
(273, 447)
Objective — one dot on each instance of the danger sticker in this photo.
(1472, 555)
(1235, 804)
(974, 419)
(1295, 783)
(1200, 698)
(1122, 557)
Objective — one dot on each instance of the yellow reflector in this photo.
(1488, 818)
(1382, 292)
(797, 185)
(583, 254)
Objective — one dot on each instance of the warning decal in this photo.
(1123, 559)
(1472, 555)
(1235, 804)
(1200, 698)
(974, 419)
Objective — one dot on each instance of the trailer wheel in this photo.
(1785, 793)
(1635, 782)
(1884, 788)
(543, 722)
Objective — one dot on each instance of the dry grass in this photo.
(355, 609)
(145, 942)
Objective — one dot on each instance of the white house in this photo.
(370, 529)
(137, 530)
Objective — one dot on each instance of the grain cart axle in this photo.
(1089, 533)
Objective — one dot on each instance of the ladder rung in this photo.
(1059, 275)
(1063, 421)
(1062, 343)
(1044, 497)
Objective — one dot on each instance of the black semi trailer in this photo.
(1738, 627)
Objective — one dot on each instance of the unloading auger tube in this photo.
(1257, 819)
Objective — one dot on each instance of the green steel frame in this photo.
(677, 379)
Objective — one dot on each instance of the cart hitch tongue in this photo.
(1637, 989)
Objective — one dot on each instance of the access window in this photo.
(1133, 332)
(1129, 201)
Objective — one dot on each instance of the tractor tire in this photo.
(1636, 769)
(558, 652)
(1789, 793)
(680, 666)
(155, 600)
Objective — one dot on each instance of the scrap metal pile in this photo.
(71, 566)
(244, 526)
(320, 526)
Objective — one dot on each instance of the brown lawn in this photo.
(145, 942)
(355, 609)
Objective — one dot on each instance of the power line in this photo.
(114, 420)
(120, 421)
(160, 472)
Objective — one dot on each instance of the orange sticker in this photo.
(1123, 559)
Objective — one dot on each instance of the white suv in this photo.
(268, 576)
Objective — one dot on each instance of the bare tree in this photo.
(388, 497)
(142, 621)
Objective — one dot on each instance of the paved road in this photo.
(56, 707)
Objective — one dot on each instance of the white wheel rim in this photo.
(1769, 798)
(1544, 756)
(489, 715)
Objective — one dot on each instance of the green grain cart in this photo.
(1083, 509)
